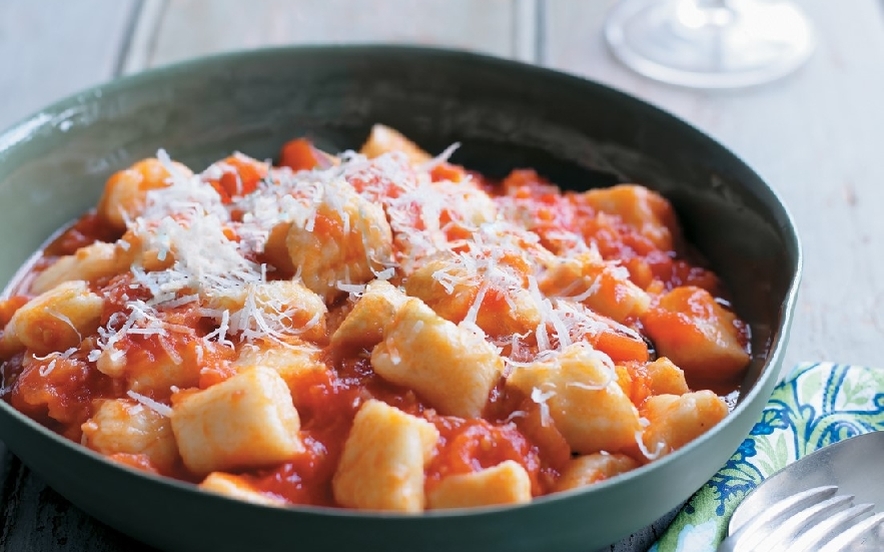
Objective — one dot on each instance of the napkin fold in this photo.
(815, 405)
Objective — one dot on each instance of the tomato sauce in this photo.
(62, 391)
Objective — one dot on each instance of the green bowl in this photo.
(505, 115)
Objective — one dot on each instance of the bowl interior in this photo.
(505, 115)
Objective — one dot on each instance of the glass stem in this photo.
(701, 13)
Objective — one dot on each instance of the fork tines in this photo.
(815, 520)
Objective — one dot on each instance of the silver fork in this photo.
(815, 520)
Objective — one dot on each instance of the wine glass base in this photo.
(748, 43)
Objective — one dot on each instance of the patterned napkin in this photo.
(816, 405)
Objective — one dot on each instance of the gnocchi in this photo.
(382, 465)
(129, 427)
(451, 366)
(382, 330)
(505, 483)
(581, 396)
(247, 421)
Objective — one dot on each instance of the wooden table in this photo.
(816, 137)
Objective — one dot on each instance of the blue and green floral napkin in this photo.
(816, 405)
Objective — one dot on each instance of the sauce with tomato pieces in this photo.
(467, 446)
(384, 331)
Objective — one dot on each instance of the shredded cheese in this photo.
(233, 265)
(47, 369)
(649, 454)
(540, 397)
(158, 407)
(55, 357)
(441, 158)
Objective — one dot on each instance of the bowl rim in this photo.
(56, 112)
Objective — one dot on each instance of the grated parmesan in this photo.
(204, 296)
(158, 407)
(540, 397)
(649, 454)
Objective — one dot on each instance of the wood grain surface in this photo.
(186, 28)
(54, 48)
(814, 136)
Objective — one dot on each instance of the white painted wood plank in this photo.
(48, 50)
(196, 27)
(815, 137)
(53, 48)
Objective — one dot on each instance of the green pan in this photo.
(505, 115)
